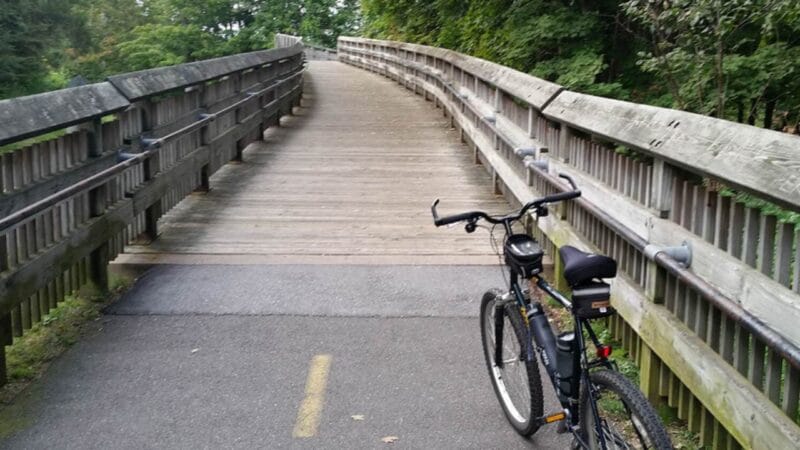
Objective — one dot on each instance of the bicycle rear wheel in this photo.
(515, 378)
(626, 417)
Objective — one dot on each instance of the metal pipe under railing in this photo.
(84, 185)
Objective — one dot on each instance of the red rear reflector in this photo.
(604, 351)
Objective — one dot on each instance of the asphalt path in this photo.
(219, 357)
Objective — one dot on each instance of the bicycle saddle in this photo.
(580, 267)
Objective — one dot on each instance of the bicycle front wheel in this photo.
(515, 377)
(626, 418)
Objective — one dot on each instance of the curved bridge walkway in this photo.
(316, 254)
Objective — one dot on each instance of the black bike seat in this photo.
(580, 267)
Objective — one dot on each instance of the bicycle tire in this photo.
(629, 421)
(516, 383)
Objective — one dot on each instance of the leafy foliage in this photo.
(45, 43)
(736, 59)
(28, 32)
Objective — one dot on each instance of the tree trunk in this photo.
(740, 111)
(769, 112)
(719, 68)
(751, 118)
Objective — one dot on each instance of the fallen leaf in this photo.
(390, 439)
(358, 417)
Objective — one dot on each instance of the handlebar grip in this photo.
(439, 221)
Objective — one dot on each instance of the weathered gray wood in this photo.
(755, 367)
(723, 226)
(791, 392)
(142, 84)
(766, 243)
(752, 224)
(699, 211)
(532, 90)
(29, 277)
(796, 274)
(773, 376)
(711, 147)
(312, 165)
(17, 200)
(710, 215)
(737, 229)
(21, 118)
(783, 257)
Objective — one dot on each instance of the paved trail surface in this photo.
(257, 280)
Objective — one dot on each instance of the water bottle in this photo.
(565, 360)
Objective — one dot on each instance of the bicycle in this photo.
(600, 407)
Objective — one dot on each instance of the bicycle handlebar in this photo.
(475, 215)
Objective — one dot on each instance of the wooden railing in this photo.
(311, 52)
(107, 160)
(717, 341)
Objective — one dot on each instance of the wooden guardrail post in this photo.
(152, 166)
(661, 188)
(4, 263)
(99, 258)
(6, 338)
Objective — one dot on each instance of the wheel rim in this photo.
(510, 379)
(621, 428)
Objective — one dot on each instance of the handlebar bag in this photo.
(523, 255)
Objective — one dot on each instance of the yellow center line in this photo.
(311, 407)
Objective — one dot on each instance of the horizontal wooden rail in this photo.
(719, 347)
(128, 150)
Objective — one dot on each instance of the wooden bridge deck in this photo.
(350, 178)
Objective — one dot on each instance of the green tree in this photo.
(29, 31)
(725, 58)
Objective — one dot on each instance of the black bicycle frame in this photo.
(541, 334)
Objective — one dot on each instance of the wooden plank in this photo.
(761, 161)
(710, 215)
(796, 271)
(752, 224)
(35, 274)
(766, 243)
(22, 117)
(532, 90)
(138, 85)
(699, 211)
(783, 257)
(755, 368)
(791, 392)
(722, 221)
(773, 376)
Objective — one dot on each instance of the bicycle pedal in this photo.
(556, 417)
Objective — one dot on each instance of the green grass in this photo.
(29, 356)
